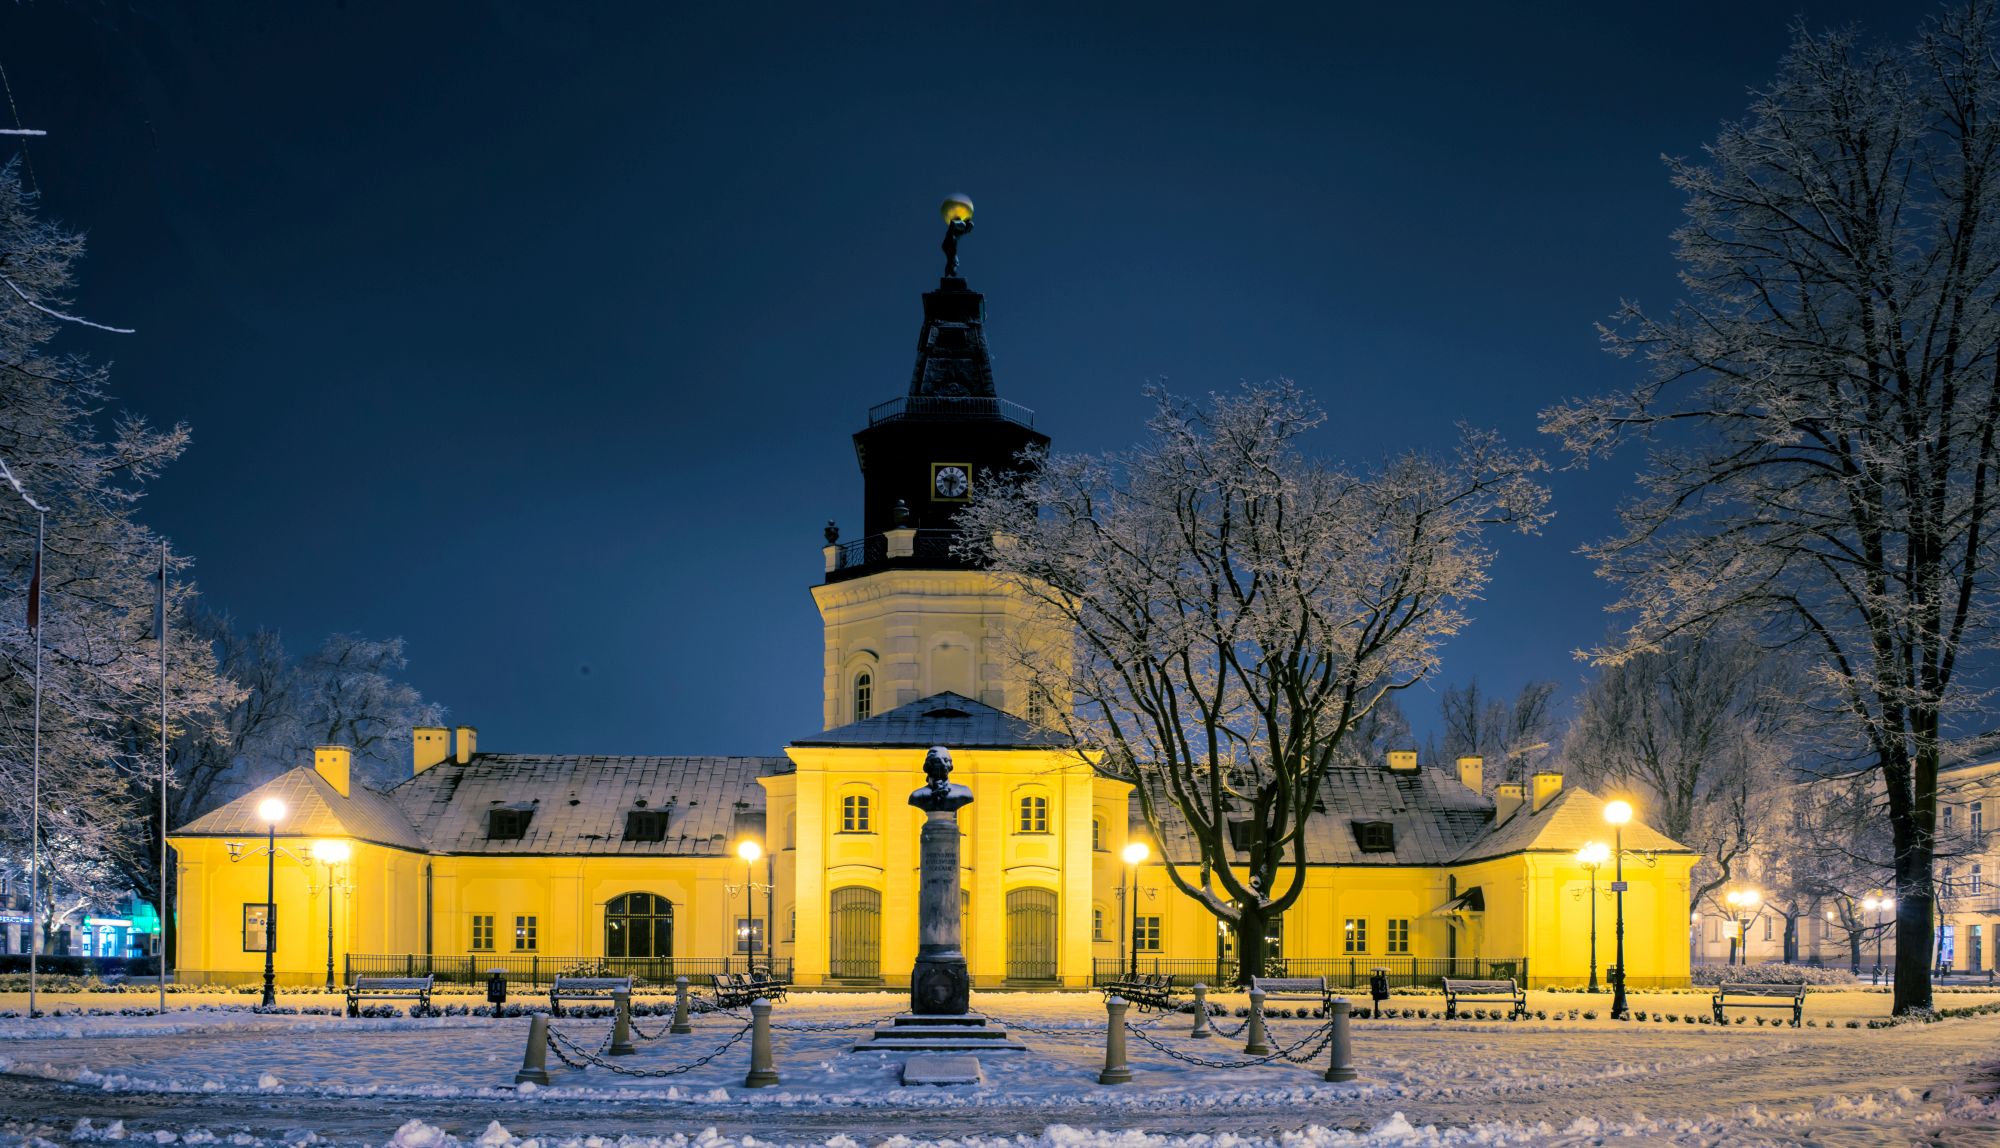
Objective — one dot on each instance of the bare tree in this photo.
(1237, 609)
(1833, 392)
(1511, 736)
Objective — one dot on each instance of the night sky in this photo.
(536, 335)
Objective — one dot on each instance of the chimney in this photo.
(1506, 799)
(1545, 785)
(335, 763)
(429, 744)
(1402, 761)
(1472, 773)
(468, 744)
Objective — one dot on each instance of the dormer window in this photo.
(508, 824)
(646, 825)
(1375, 836)
(1239, 836)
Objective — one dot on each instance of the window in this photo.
(1037, 712)
(1097, 834)
(524, 934)
(646, 825)
(1356, 939)
(1399, 935)
(482, 932)
(1767, 928)
(854, 814)
(1978, 820)
(1146, 934)
(1972, 886)
(864, 696)
(1034, 814)
(256, 927)
(1097, 922)
(639, 925)
(1714, 928)
(508, 824)
(749, 935)
(1239, 836)
(1375, 836)
(1946, 826)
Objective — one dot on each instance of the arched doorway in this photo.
(856, 950)
(639, 927)
(1031, 935)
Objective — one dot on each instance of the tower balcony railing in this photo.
(928, 549)
(950, 407)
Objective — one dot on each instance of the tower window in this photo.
(864, 696)
(1034, 814)
(854, 814)
(1097, 834)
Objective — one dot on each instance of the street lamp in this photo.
(1591, 856)
(1744, 902)
(271, 811)
(1879, 906)
(1135, 854)
(749, 850)
(1618, 813)
(329, 854)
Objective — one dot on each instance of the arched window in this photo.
(1097, 834)
(639, 925)
(864, 695)
(855, 814)
(1034, 814)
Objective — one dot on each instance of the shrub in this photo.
(1541, 1015)
(1673, 1019)
(1854, 1024)
(1771, 973)
(1423, 1013)
(1639, 1014)
(1590, 1014)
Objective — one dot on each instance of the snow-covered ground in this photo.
(203, 1073)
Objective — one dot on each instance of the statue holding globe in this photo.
(957, 211)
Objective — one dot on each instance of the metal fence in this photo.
(1340, 972)
(542, 969)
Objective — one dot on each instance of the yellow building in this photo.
(537, 863)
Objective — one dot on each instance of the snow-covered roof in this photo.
(946, 719)
(1572, 819)
(313, 808)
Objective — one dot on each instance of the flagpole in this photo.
(35, 806)
(160, 940)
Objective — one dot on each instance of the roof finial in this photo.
(957, 210)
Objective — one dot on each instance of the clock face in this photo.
(951, 480)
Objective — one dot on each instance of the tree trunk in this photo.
(1791, 939)
(1250, 954)
(1854, 952)
(1912, 961)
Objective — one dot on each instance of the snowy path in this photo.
(1527, 1082)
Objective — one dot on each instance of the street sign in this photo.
(1618, 886)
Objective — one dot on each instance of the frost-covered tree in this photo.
(1825, 405)
(1237, 609)
(100, 660)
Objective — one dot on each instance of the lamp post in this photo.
(1879, 906)
(749, 850)
(1135, 854)
(1591, 856)
(329, 854)
(1744, 905)
(270, 811)
(1618, 813)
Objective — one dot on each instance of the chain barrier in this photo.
(833, 1026)
(576, 1056)
(1059, 1033)
(1304, 1050)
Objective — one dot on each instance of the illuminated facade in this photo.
(541, 862)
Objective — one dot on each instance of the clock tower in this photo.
(904, 618)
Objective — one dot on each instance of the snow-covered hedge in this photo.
(1770, 973)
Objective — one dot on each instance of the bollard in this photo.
(1340, 1062)
(681, 1027)
(1116, 1071)
(621, 1028)
(762, 1074)
(1201, 1026)
(1257, 1044)
(535, 1062)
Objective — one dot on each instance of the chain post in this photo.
(762, 1073)
(1116, 1071)
(535, 1062)
(1340, 1063)
(1201, 1025)
(1259, 1043)
(621, 1027)
(681, 1027)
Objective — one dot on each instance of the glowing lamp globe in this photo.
(1594, 853)
(330, 852)
(749, 850)
(956, 207)
(270, 811)
(1618, 812)
(1136, 852)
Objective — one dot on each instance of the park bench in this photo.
(734, 990)
(771, 988)
(1147, 990)
(586, 988)
(1459, 991)
(388, 988)
(1791, 996)
(1312, 989)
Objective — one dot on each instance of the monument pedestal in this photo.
(965, 1032)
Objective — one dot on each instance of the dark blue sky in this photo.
(536, 335)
